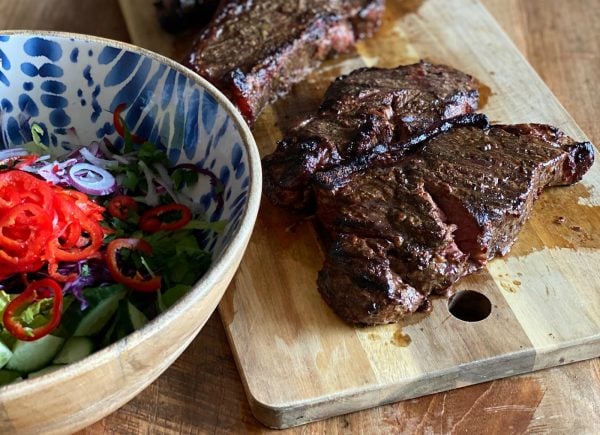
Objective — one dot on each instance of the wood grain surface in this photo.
(544, 314)
(202, 391)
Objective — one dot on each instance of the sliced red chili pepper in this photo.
(24, 233)
(5, 271)
(118, 122)
(70, 234)
(42, 223)
(166, 217)
(27, 161)
(83, 241)
(25, 227)
(18, 187)
(34, 292)
(86, 245)
(83, 202)
(133, 278)
(55, 274)
(121, 206)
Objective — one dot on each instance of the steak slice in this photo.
(369, 111)
(254, 51)
(411, 228)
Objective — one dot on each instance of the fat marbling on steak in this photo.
(406, 227)
(254, 51)
(369, 111)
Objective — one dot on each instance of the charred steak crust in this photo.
(406, 229)
(369, 111)
(254, 51)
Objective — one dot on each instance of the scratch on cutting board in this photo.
(479, 399)
(504, 408)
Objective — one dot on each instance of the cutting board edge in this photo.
(345, 402)
(568, 352)
(290, 414)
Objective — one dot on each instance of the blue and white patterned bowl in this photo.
(64, 81)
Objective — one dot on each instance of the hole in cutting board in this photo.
(469, 305)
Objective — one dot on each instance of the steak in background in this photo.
(369, 111)
(414, 226)
(177, 15)
(254, 51)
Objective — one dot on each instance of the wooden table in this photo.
(202, 391)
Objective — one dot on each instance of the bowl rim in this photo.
(218, 267)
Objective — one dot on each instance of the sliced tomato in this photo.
(167, 217)
(128, 274)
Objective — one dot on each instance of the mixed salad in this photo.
(94, 242)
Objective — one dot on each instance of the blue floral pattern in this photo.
(62, 83)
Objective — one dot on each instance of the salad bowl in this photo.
(70, 87)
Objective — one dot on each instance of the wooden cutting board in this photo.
(298, 361)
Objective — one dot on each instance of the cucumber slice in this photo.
(43, 371)
(7, 339)
(128, 319)
(138, 319)
(5, 354)
(9, 376)
(102, 305)
(29, 356)
(75, 349)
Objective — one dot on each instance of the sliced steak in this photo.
(411, 228)
(254, 51)
(486, 180)
(369, 111)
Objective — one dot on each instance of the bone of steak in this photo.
(254, 51)
(415, 225)
(369, 111)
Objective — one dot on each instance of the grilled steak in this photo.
(254, 51)
(406, 227)
(369, 111)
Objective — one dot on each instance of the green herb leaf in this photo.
(150, 154)
(217, 226)
(177, 257)
(172, 295)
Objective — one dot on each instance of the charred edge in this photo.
(384, 155)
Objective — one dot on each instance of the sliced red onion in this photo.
(12, 152)
(165, 180)
(91, 179)
(151, 197)
(48, 174)
(55, 171)
(73, 137)
(103, 146)
(103, 163)
(94, 148)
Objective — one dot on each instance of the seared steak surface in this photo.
(369, 111)
(406, 227)
(254, 51)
